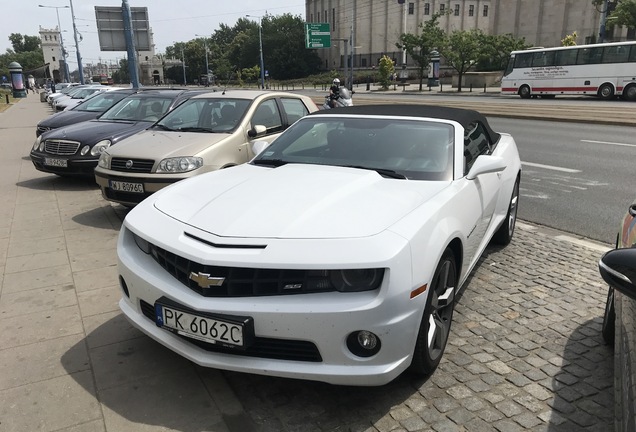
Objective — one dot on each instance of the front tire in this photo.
(436, 320)
(504, 234)
(524, 92)
(629, 93)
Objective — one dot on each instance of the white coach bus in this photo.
(605, 70)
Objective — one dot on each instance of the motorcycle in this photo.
(343, 100)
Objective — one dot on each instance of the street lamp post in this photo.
(77, 50)
(260, 43)
(207, 67)
(67, 77)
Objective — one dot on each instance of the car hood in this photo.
(293, 201)
(66, 118)
(158, 144)
(93, 131)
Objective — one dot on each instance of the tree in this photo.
(421, 47)
(462, 50)
(386, 70)
(23, 43)
(496, 51)
(624, 14)
(569, 40)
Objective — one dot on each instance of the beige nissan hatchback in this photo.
(207, 132)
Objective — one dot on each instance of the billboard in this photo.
(110, 28)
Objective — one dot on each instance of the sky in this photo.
(171, 21)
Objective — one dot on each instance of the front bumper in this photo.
(323, 320)
(74, 166)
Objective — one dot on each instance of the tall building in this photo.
(52, 51)
(372, 27)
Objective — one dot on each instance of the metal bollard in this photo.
(471, 88)
(441, 87)
(7, 96)
(484, 87)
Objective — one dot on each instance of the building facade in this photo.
(372, 27)
(51, 43)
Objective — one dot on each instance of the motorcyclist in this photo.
(334, 92)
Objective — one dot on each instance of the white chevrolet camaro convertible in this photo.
(334, 255)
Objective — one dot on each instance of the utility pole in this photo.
(133, 70)
(80, 68)
(601, 33)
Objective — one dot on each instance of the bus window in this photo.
(510, 65)
(590, 56)
(543, 58)
(632, 53)
(523, 60)
(565, 57)
(615, 54)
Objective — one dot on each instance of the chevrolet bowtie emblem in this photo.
(204, 280)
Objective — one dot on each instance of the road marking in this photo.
(550, 167)
(609, 143)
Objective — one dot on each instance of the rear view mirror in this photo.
(485, 164)
(256, 131)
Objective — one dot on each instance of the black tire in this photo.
(438, 315)
(524, 92)
(606, 91)
(609, 319)
(504, 234)
(629, 93)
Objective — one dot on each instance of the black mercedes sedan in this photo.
(75, 149)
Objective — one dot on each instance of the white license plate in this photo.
(56, 162)
(127, 186)
(198, 327)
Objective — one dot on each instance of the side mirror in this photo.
(485, 164)
(256, 131)
(259, 146)
(618, 269)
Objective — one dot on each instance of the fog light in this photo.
(363, 343)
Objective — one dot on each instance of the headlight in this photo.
(36, 144)
(356, 279)
(179, 164)
(42, 145)
(141, 243)
(104, 161)
(100, 147)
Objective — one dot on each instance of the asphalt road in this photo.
(576, 176)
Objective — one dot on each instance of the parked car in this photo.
(618, 269)
(88, 110)
(75, 149)
(73, 98)
(60, 90)
(334, 255)
(206, 133)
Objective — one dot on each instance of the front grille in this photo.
(61, 147)
(243, 282)
(279, 349)
(136, 165)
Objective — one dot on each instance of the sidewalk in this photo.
(69, 360)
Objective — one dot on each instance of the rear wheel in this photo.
(609, 318)
(436, 320)
(629, 93)
(524, 92)
(606, 91)
(504, 234)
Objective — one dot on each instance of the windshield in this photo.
(216, 115)
(85, 92)
(101, 102)
(412, 149)
(138, 108)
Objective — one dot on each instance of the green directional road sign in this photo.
(317, 35)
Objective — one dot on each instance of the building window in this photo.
(311, 17)
(326, 17)
(471, 10)
(53, 58)
(333, 18)
(411, 8)
(46, 37)
(442, 8)
(456, 10)
(485, 10)
(55, 36)
(427, 8)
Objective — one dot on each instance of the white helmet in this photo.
(336, 82)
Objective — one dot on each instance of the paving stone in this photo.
(509, 408)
